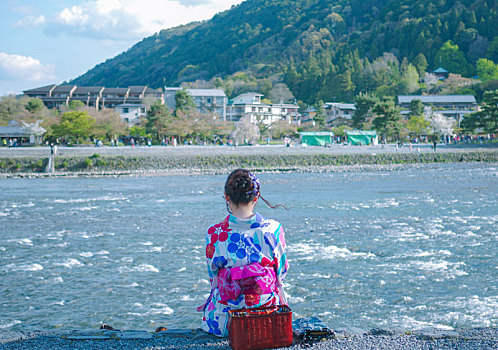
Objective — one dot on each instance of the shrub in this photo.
(88, 162)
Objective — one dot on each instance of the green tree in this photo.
(409, 80)
(387, 117)
(74, 124)
(184, 102)
(420, 62)
(320, 115)
(486, 69)
(416, 107)
(75, 105)
(487, 118)
(10, 108)
(453, 60)
(158, 118)
(34, 105)
(364, 104)
(417, 124)
(492, 53)
(138, 131)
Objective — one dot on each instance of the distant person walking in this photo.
(434, 145)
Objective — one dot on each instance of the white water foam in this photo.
(22, 241)
(316, 251)
(441, 266)
(86, 200)
(474, 310)
(160, 309)
(139, 268)
(8, 324)
(25, 267)
(70, 263)
(86, 254)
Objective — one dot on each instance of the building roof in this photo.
(137, 105)
(63, 89)
(43, 89)
(341, 105)
(440, 70)
(88, 89)
(206, 92)
(402, 99)
(137, 89)
(13, 131)
(253, 94)
(285, 105)
(151, 91)
(115, 90)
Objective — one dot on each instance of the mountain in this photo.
(322, 49)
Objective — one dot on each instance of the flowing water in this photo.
(407, 248)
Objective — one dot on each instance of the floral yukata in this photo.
(246, 262)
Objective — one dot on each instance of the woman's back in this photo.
(245, 256)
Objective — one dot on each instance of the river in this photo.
(408, 248)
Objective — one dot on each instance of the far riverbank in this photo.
(134, 161)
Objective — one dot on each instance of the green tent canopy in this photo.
(317, 138)
(360, 137)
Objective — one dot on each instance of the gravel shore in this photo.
(429, 338)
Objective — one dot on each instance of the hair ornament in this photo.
(255, 184)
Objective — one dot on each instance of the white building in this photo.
(206, 100)
(249, 105)
(131, 113)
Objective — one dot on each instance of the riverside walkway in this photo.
(44, 151)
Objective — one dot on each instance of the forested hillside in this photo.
(322, 49)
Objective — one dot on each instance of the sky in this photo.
(46, 42)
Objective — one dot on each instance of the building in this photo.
(131, 113)
(339, 113)
(441, 73)
(17, 135)
(206, 100)
(249, 105)
(308, 117)
(455, 106)
(55, 96)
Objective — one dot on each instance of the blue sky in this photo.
(50, 41)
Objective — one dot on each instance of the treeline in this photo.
(322, 49)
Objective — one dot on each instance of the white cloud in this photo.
(31, 21)
(17, 67)
(131, 19)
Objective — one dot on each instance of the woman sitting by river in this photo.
(245, 255)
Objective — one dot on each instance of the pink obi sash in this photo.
(248, 279)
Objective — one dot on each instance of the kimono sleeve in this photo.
(279, 253)
(210, 252)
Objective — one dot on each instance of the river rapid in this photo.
(408, 248)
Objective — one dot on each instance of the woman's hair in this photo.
(242, 187)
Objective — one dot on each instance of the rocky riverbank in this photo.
(427, 338)
(208, 160)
